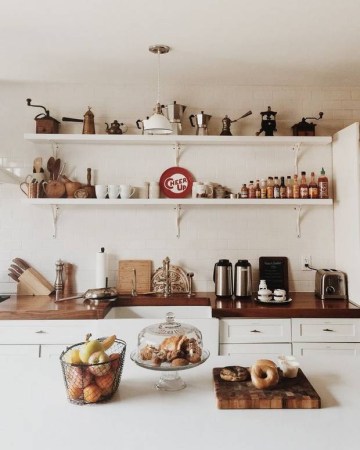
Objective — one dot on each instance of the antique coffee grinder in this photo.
(304, 128)
(88, 121)
(226, 123)
(44, 122)
(268, 122)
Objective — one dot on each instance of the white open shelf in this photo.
(125, 139)
(179, 201)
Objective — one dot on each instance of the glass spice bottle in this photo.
(289, 187)
(304, 188)
(257, 189)
(323, 185)
(270, 188)
(251, 190)
(263, 188)
(296, 187)
(244, 191)
(282, 187)
(276, 188)
(313, 187)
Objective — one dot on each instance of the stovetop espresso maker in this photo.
(202, 122)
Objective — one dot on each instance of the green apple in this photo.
(97, 363)
(88, 348)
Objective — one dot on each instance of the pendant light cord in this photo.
(158, 80)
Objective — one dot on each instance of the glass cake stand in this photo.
(169, 379)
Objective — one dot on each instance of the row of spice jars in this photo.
(292, 188)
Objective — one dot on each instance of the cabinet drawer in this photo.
(46, 331)
(253, 331)
(20, 350)
(326, 330)
(249, 353)
(331, 349)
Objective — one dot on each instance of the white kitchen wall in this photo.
(146, 232)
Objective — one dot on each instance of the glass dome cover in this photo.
(170, 345)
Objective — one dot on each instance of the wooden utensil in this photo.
(56, 169)
(37, 165)
(89, 188)
(50, 167)
(71, 186)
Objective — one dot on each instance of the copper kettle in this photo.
(115, 128)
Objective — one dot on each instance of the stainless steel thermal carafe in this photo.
(223, 278)
(243, 278)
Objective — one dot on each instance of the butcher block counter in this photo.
(303, 305)
(37, 414)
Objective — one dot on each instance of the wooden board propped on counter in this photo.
(289, 393)
(126, 276)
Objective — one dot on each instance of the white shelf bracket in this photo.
(178, 220)
(177, 149)
(298, 220)
(55, 149)
(296, 149)
(55, 215)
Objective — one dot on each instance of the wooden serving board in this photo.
(289, 393)
(125, 275)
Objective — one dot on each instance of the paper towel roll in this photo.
(101, 269)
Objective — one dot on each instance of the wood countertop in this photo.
(304, 305)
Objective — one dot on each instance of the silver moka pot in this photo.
(243, 278)
(202, 122)
(174, 112)
(223, 278)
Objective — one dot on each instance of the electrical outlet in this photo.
(305, 260)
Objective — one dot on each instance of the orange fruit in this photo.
(92, 393)
(105, 381)
(115, 359)
(74, 392)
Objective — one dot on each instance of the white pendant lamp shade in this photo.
(158, 123)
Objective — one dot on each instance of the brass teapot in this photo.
(115, 128)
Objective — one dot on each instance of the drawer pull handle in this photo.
(255, 331)
(327, 329)
(40, 332)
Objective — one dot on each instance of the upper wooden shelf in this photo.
(125, 139)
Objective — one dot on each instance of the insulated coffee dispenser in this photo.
(223, 278)
(243, 279)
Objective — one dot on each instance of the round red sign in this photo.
(176, 182)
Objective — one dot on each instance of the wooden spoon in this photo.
(37, 164)
(50, 167)
(56, 169)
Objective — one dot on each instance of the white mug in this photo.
(201, 190)
(101, 190)
(126, 191)
(154, 189)
(113, 190)
(142, 191)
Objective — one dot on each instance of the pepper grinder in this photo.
(68, 282)
(59, 284)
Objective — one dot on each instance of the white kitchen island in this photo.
(35, 412)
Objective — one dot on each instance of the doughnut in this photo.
(264, 374)
(234, 373)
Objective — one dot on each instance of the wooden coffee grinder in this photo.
(44, 122)
(304, 128)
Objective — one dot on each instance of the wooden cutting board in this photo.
(125, 275)
(289, 393)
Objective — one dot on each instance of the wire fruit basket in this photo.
(93, 383)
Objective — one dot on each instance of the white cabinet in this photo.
(326, 336)
(42, 337)
(256, 337)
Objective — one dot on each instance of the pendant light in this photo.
(158, 123)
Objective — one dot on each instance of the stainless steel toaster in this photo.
(330, 283)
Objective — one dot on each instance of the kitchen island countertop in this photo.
(36, 412)
(304, 305)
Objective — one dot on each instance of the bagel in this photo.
(264, 374)
(234, 373)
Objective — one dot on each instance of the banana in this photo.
(108, 342)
